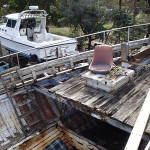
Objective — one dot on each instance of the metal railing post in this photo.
(104, 37)
(128, 34)
(46, 56)
(18, 59)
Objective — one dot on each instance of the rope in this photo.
(115, 71)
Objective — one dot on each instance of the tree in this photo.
(90, 15)
(2, 2)
(121, 18)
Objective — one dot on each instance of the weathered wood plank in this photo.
(130, 90)
(139, 127)
(124, 105)
(40, 138)
(69, 89)
(49, 66)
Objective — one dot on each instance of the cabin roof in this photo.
(28, 14)
(13, 16)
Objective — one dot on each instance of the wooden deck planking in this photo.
(139, 126)
(132, 89)
(124, 105)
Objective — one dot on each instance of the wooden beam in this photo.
(139, 126)
(107, 119)
(29, 73)
(124, 51)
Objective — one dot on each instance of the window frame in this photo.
(12, 23)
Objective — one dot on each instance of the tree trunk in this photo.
(134, 15)
(148, 29)
(120, 3)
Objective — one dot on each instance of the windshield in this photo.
(11, 23)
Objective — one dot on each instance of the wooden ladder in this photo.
(32, 107)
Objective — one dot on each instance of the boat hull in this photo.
(49, 50)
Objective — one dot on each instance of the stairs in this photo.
(29, 103)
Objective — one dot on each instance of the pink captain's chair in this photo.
(102, 59)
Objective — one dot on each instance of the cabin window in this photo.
(11, 23)
(8, 23)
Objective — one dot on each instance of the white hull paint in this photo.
(65, 47)
(27, 31)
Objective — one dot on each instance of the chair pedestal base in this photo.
(106, 83)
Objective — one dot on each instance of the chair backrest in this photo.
(103, 54)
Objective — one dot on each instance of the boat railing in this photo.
(116, 47)
(33, 14)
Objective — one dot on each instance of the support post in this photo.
(128, 34)
(134, 15)
(64, 107)
(1, 51)
(57, 55)
(125, 54)
(11, 60)
(124, 51)
(104, 38)
(46, 56)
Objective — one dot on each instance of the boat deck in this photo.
(122, 106)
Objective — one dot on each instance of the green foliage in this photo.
(64, 31)
(12, 4)
(2, 2)
(3, 12)
(75, 32)
(51, 6)
(121, 18)
(54, 12)
(141, 3)
(88, 14)
(141, 18)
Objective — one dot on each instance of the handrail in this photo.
(66, 63)
(42, 47)
(111, 30)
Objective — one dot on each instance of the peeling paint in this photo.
(9, 124)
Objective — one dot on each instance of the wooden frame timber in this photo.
(139, 126)
(30, 73)
(119, 109)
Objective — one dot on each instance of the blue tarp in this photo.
(57, 144)
(3, 66)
